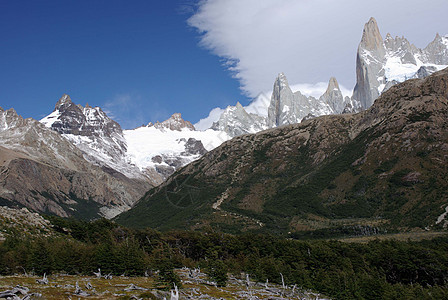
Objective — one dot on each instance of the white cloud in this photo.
(310, 41)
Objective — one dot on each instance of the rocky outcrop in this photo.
(287, 107)
(236, 121)
(333, 97)
(194, 147)
(369, 65)
(175, 122)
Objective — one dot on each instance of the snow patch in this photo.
(51, 118)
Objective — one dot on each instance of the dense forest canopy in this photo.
(378, 269)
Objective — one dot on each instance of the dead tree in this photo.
(44, 280)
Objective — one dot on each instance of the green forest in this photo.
(373, 270)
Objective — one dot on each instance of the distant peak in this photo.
(176, 116)
(332, 85)
(175, 122)
(371, 37)
(281, 81)
(238, 105)
(65, 99)
(88, 106)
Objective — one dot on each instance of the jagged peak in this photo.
(88, 106)
(175, 122)
(332, 85)
(176, 116)
(281, 81)
(238, 105)
(65, 99)
(371, 36)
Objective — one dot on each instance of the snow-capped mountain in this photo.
(235, 120)
(164, 147)
(94, 133)
(42, 170)
(149, 153)
(380, 64)
(287, 107)
(383, 63)
(284, 107)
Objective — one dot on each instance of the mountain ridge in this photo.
(323, 171)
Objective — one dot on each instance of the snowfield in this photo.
(144, 143)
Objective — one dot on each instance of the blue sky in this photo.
(143, 60)
(138, 60)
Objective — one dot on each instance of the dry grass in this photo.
(63, 287)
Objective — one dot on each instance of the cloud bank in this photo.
(309, 41)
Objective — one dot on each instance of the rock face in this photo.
(385, 165)
(175, 122)
(45, 172)
(99, 138)
(381, 64)
(369, 64)
(236, 121)
(287, 107)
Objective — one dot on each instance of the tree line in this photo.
(375, 270)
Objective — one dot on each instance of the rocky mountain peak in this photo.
(281, 82)
(63, 101)
(332, 85)
(371, 37)
(235, 120)
(333, 97)
(175, 122)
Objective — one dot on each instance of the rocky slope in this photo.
(43, 171)
(384, 167)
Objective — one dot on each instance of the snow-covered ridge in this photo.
(147, 144)
(148, 153)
